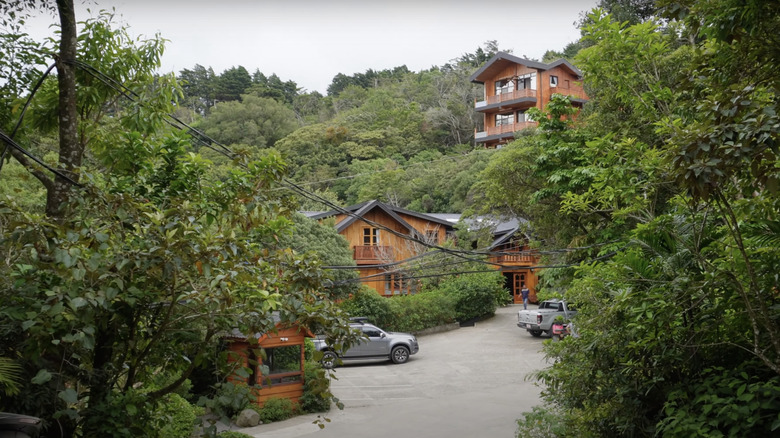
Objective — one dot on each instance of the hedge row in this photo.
(457, 299)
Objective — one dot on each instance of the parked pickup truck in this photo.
(541, 319)
(376, 344)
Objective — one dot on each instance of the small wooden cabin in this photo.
(282, 351)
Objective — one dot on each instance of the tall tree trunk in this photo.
(71, 151)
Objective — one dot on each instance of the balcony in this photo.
(502, 130)
(372, 254)
(520, 259)
(506, 97)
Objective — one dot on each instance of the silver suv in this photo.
(376, 344)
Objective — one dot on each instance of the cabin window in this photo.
(504, 86)
(521, 117)
(526, 82)
(283, 365)
(370, 236)
(553, 81)
(399, 284)
(504, 119)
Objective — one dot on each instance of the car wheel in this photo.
(535, 333)
(329, 359)
(399, 354)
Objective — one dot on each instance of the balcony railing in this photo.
(506, 97)
(372, 253)
(520, 258)
(507, 129)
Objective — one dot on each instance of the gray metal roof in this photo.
(503, 56)
(502, 229)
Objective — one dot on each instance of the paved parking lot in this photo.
(470, 382)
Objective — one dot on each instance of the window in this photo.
(504, 119)
(399, 284)
(553, 81)
(371, 332)
(521, 117)
(370, 236)
(505, 86)
(526, 82)
(284, 365)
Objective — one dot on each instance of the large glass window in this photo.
(284, 365)
(526, 82)
(504, 119)
(505, 86)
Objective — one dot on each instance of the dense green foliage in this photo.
(177, 417)
(276, 409)
(147, 263)
(669, 178)
(315, 240)
(459, 298)
(316, 383)
(395, 135)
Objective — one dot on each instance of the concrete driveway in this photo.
(469, 382)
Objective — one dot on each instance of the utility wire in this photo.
(10, 142)
(210, 143)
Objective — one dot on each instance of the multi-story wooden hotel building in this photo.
(514, 85)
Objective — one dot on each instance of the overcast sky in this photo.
(310, 41)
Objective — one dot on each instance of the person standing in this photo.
(525, 293)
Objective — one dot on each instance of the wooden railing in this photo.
(506, 129)
(372, 253)
(520, 258)
(516, 94)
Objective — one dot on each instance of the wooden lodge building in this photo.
(512, 86)
(377, 251)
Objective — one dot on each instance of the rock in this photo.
(248, 418)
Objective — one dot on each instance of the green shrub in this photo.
(541, 422)
(233, 434)
(476, 295)
(276, 409)
(417, 312)
(176, 416)
(723, 402)
(366, 302)
(316, 394)
(229, 400)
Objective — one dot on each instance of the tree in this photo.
(254, 121)
(154, 260)
(313, 239)
(199, 88)
(683, 312)
(232, 83)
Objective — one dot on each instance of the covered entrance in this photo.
(514, 281)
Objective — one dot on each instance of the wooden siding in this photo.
(284, 337)
(568, 84)
(510, 71)
(390, 247)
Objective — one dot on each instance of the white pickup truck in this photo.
(541, 319)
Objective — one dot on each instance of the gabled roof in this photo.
(500, 59)
(360, 210)
(502, 230)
